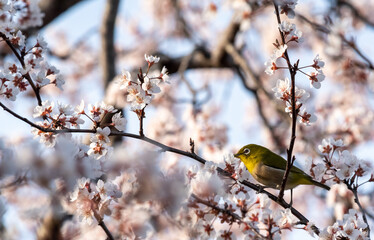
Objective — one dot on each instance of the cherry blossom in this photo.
(119, 122)
(139, 101)
(44, 110)
(270, 64)
(151, 59)
(164, 76)
(318, 63)
(351, 227)
(101, 135)
(151, 85)
(98, 110)
(124, 80)
(329, 145)
(316, 78)
(282, 89)
(290, 31)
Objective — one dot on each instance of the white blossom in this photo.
(98, 150)
(316, 78)
(151, 59)
(101, 135)
(119, 122)
(318, 63)
(151, 85)
(139, 101)
(44, 110)
(329, 144)
(319, 170)
(164, 76)
(283, 87)
(124, 80)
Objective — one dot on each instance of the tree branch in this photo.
(290, 157)
(356, 12)
(165, 148)
(27, 75)
(106, 230)
(53, 8)
(108, 53)
(357, 201)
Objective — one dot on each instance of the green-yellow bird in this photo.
(268, 168)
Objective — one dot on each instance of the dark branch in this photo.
(53, 8)
(357, 201)
(357, 13)
(290, 157)
(21, 60)
(106, 230)
(165, 148)
(108, 53)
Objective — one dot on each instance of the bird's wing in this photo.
(275, 161)
(272, 177)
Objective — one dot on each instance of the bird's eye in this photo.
(246, 151)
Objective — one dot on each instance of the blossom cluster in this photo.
(55, 118)
(32, 68)
(99, 146)
(315, 77)
(339, 165)
(92, 201)
(350, 227)
(284, 88)
(283, 92)
(142, 90)
(66, 161)
(233, 207)
(18, 14)
(270, 64)
(65, 116)
(287, 7)
(289, 30)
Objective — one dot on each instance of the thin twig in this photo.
(101, 223)
(354, 191)
(141, 117)
(290, 157)
(106, 230)
(192, 145)
(27, 75)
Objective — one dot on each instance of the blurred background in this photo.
(219, 96)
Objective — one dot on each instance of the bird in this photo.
(268, 168)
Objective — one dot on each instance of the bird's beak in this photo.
(237, 155)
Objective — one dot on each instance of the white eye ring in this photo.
(246, 151)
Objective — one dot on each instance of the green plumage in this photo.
(268, 168)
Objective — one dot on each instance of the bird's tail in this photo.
(318, 184)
